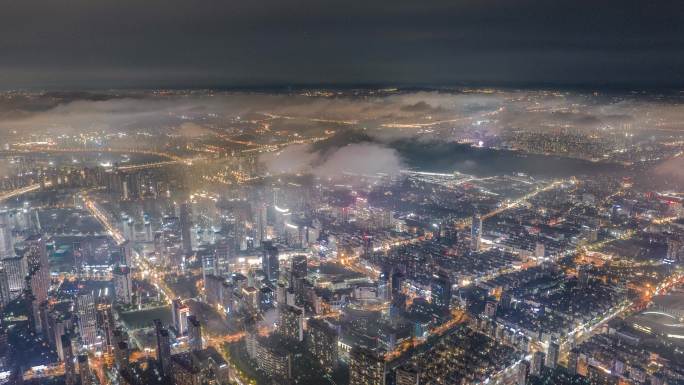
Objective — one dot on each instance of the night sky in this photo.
(129, 43)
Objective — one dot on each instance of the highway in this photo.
(523, 199)
(50, 149)
(467, 222)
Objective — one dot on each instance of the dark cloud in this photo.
(131, 43)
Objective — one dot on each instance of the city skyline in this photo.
(342, 193)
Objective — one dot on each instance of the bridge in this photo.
(20, 191)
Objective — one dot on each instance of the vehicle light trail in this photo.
(103, 218)
(19, 191)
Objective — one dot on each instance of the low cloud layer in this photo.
(445, 115)
(672, 170)
(358, 159)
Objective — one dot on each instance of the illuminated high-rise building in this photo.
(260, 224)
(87, 317)
(194, 333)
(537, 364)
(179, 315)
(583, 275)
(123, 286)
(321, 341)
(84, 370)
(476, 233)
(6, 244)
(121, 355)
(298, 267)
(35, 254)
(552, 354)
(298, 272)
(209, 266)
(39, 266)
(440, 288)
(385, 286)
(523, 371)
(291, 322)
(71, 378)
(186, 226)
(105, 323)
(269, 261)
(163, 347)
(4, 289)
(409, 375)
(366, 367)
(16, 270)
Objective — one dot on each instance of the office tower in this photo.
(16, 270)
(121, 348)
(539, 250)
(79, 256)
(298, 272)
(35, 255)
(186, 226)
(125, 190)
(491, 308)
(675, 249)
(209, 266)
(84, 370)
(149, 235)
(476, 233)
(573, 360)
(28, 300)
(126, 254)
(523, 370)
(407, 375)
(269, 261)
(385, 286)
(291, 322)
(583, 275)
(194, 333)
(441, 291)
(163, 347)
(106, 325)
(70, 375)
(39, 267)
(537, 363)
(36, 251)
(6, 244)
(128, 228)
(266, 299)
(222, 256)
(398, 279)
(121, 355)
(367, 245)
(4, 289)
(59, 324)
(298, 267)
(123, 287)
(41, 316)
(366, 367)
(552, 354)
(261, 223)
(213, 290)
(87, 317)
(180, 314)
